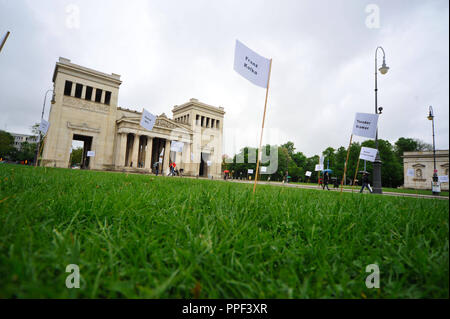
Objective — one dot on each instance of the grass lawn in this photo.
(137, 236)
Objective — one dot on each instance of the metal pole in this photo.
(40, 135)
(435, 177)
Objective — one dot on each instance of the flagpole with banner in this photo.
(262, 129)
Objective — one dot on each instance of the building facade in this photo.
(19, 139)
(423, 166)
(86, 109)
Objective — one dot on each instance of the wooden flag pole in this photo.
(4, 40)
(262, 128)
(345, 167)
(356, 172)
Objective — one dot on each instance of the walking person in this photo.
(365, 182)
(326, 180)
(156, 168)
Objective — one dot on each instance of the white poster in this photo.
(308, 173)
(147, 120)
(43, 127)
(250, 171)
(436, 187)
(365, 125)
(90, 153)
(318, 167)
(321, 160)
(160, 160)
(176, 146)
(263, 169)
(208, 163)
(162, 152)
(251, 65)
(368, 154)
(410, 172)
(443, 179)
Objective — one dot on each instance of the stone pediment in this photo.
(162, 122)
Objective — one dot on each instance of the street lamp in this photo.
(377, 163)
(435, 190)
(42, 116)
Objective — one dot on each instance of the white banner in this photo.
(368, 154)
(162, 152)
(318, 167)
(176, 146)
(410, 172)
(250, 171)
(147, 120)
(251, 65)
(308, 173)
(90, 153)
(443, 179)
(208, 163)
(43, 127)
(365, 125)
(321, 160)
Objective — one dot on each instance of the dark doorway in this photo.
(158, 148)
(203, 169)
(87, 145)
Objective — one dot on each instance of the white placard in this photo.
(90, 153)
(410, 172)
(436, 187)
(43, 126)
(318, 167)
(250, 171)
(162, 152)
(368, 154)
(308, 173)
(365, 125)
(263, 169)
(147, 120)
(176, 146)
(443, 179)
(251, 65)
(208, 163)
(321, 161)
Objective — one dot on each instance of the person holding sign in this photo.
(326, 180)
(365, 182)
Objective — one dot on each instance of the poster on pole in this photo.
(318, 168)
(250, 171)
(368, 154)
(443, 179)
(90, 153)
(176, 146)
(365, 125)
(147, 120)
(410, 172)
(308, 173)
(43, 126)
(251, 65)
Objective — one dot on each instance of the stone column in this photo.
(166, 157)
(122, 149)
(135, 151)
(148, 153)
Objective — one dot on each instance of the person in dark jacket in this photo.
(365, 183)
(326, 180)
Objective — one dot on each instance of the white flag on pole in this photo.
(43, 127)
(308, 173)
(368, 154)
(318, 167)
(321, 160)
(251, 65)
(263, 169)
(365, 125)
(147, 120)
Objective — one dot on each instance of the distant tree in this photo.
(26, 153)
(76, 156)
(6, 144)
(290, 147)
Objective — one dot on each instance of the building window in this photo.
(68, 88)
(217, 123)
(107, 97)
(197, 118)
(207, 122)
(98, 95)
(88, 95)
(78, 90)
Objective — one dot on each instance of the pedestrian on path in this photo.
(365, 183)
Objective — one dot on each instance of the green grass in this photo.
(137, 236)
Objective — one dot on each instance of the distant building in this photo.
(423, 166)
(21, 138)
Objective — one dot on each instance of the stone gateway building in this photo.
(85, 108)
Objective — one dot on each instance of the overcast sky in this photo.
(170, 51)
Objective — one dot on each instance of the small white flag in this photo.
(365, 125)
(147, 120)
(176, 146)
(318, 167)
(368, 154)
(250, 171)
(263, 169)
(162, 152)
(91, 153)
(410, 172)
(321, 160)
(251, 65)
(43, 127)
(443, 179)
(308, 173)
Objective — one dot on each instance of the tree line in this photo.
(296, 164)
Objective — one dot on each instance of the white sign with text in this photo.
(365, 125)
(368, 154)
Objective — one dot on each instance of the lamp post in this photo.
(42, 116)
(377, 163)
(435, 190)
